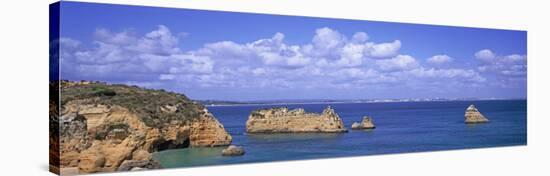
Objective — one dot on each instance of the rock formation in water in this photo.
(282, 120)
(116, 127)
(233, 150)
(365, 124)
(472, 115)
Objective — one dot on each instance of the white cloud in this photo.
(351, 55)
(515, 70)
(103, 53)
(439, 59)
(124, 56)
(514, 58)
(67, 48)
(384, 50)
(167, 77)
(160, 41)
(330, 60)
(188, 63)
(259, 71)
(448, 74)
(271, 52)
(122, 38)
(328, 48)
(400, 62)
(508, 65)
(69, 43)
(360, 37)
(327, 39)
(353, 73)
(485, 55)
(327, 43)
(226, 49)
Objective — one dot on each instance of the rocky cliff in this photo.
(282, 120)
(472, 115)
(117, 127)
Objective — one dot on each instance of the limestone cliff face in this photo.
(115, 127)
(472, 115)
(282, 120)
(207, 132)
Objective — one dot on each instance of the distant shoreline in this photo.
(348, 102)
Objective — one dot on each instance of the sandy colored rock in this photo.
(137, 169)
(91, 161)
(366, 123)
(73, 135)
(103, 126)
(70, 159)
(282, 120)
(233, 150)
(141, 155)
(356, 125)
(472, 115)
(133, 165)
(208, 131)
(68, 171)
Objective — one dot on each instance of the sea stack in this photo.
(282, 120)
(473, 115)
(365, 124)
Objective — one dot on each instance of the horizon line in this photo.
(364, 99)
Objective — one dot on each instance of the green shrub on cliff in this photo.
(102, 91)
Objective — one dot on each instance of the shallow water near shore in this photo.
(400, 127)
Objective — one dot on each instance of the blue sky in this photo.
(240, 56)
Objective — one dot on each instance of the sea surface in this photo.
(400, 127)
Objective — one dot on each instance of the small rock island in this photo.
(473, 115)
(233, 150)
(283, 120)
(365, 124)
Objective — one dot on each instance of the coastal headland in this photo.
(112, 127)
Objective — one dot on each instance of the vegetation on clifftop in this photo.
(149, 104)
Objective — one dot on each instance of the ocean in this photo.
(401, 127)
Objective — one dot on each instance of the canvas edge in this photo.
(54, 34)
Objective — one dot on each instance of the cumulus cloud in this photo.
(485, 55)
(124, 56)
(271, 51)
(167, 77)
(330, 60)
(507, 65)
(160, 41)
(463, 74)
(384, 49)
(121, 38)
(326, 40)
(360, 37)
(439, 59)
(69, 43)
(351, 55)
(400, 62)
(328, 48)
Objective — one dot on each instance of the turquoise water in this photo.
(400, 127)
